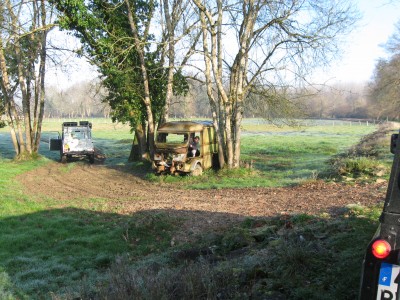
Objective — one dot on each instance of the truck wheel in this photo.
(63, 159)
(91, 158)
(197, 171)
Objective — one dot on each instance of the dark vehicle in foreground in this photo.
(75, 140)
(381, 266)
(175, 152)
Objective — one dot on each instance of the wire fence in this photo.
(318, 122)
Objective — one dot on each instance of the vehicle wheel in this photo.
(63, 159)
(91, 158)
(197, 171)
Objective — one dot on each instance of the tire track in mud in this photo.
(63, 182)
(125, 193)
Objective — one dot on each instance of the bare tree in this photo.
(384, 88)
(83, 99)
(23, 65)
(256, 46)
(178, 21)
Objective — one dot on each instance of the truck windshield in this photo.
(172, 138)
(78, 133)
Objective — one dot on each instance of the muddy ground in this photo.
(125, 192)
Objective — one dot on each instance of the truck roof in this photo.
(184, 126)
(76, 124)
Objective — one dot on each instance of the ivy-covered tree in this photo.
(117, 39)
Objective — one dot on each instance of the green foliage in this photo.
(181, 85)
(356, 167)
(104, 29)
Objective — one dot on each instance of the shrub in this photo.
(356, 167)
(361, 159)
(371, 144)
(236, 239)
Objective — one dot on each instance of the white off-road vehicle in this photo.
(74, 141)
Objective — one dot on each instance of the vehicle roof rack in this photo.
(70, 124)
(85, 123)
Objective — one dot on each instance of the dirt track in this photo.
(127, 193)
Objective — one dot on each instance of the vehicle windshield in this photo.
(78, 133)
(172, 138)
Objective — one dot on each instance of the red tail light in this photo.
(381, 249)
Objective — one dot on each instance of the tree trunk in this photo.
(11, 112)
(24, 91)
(171, 60)
(215, 58)
(228, 136)
(215, 109)
(42, 73)
(145, 77)
(238, 123)
(139, 145)
(13, 134)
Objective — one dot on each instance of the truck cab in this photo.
(174, 147)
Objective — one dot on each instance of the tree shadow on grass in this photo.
(71, 251)
(6, 146)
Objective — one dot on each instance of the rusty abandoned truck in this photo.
(174, 152)
(74, 141)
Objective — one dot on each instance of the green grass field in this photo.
(282, 156)
(55, 250)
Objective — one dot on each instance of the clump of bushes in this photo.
(362, 160)
(373, 144)
(281, 258)
(357, 166)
